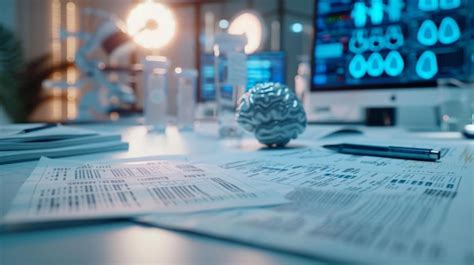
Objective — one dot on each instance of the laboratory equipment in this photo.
(155, 70)
(230, 76)
(186, 82)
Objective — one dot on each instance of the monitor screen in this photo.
(391, 43)
(207, 77)
(261, 67)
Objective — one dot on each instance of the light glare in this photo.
(250, 24)
(152, 25)
(297, 27)
(223, 24)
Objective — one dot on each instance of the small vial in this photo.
(156, 92)
(186, 80)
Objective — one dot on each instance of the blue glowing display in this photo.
(428, 33)
(375, 64)
(428, 5)
(391, 43)
(449, 4)
(261, 67)
(394, 37)
(376, 12)
(449, 31)
(395, 8)
(427, 65)
(359, 12)
(297, 27)
(358, 66)
(394, 64)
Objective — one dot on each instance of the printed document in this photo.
(66, 190)
(351, 208)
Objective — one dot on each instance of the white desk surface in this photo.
(126, 242)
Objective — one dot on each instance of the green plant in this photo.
(20, 82)
(11, 65)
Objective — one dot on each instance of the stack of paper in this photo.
(60, 190)
(57, 141)
(317, 203)
(352, 208)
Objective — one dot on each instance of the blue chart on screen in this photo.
(391, 43)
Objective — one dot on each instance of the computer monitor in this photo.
(387, 53)
(265, 67)
(261, 67)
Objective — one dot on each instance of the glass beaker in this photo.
(186, 82)
(230, 76)
(156, 92)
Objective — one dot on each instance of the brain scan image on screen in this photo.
(427, 65)
(394, 64)
(375, 64)
(391, 43)
(358, 66)
(449, 31)
(428, 33)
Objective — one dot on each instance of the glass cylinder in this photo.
(230, 76)
(186, 82)
(156, 92)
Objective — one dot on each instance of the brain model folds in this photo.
(273, 113)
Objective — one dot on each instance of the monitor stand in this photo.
(351, 106)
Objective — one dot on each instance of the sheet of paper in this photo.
(19, 146)
(70, 150)
(352, 208)
(65, 190)
(10, 133)
(12, 129)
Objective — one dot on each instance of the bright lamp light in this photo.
(250, 24)
(152, 25)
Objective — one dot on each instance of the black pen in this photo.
(387, 151)
(38, 128)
